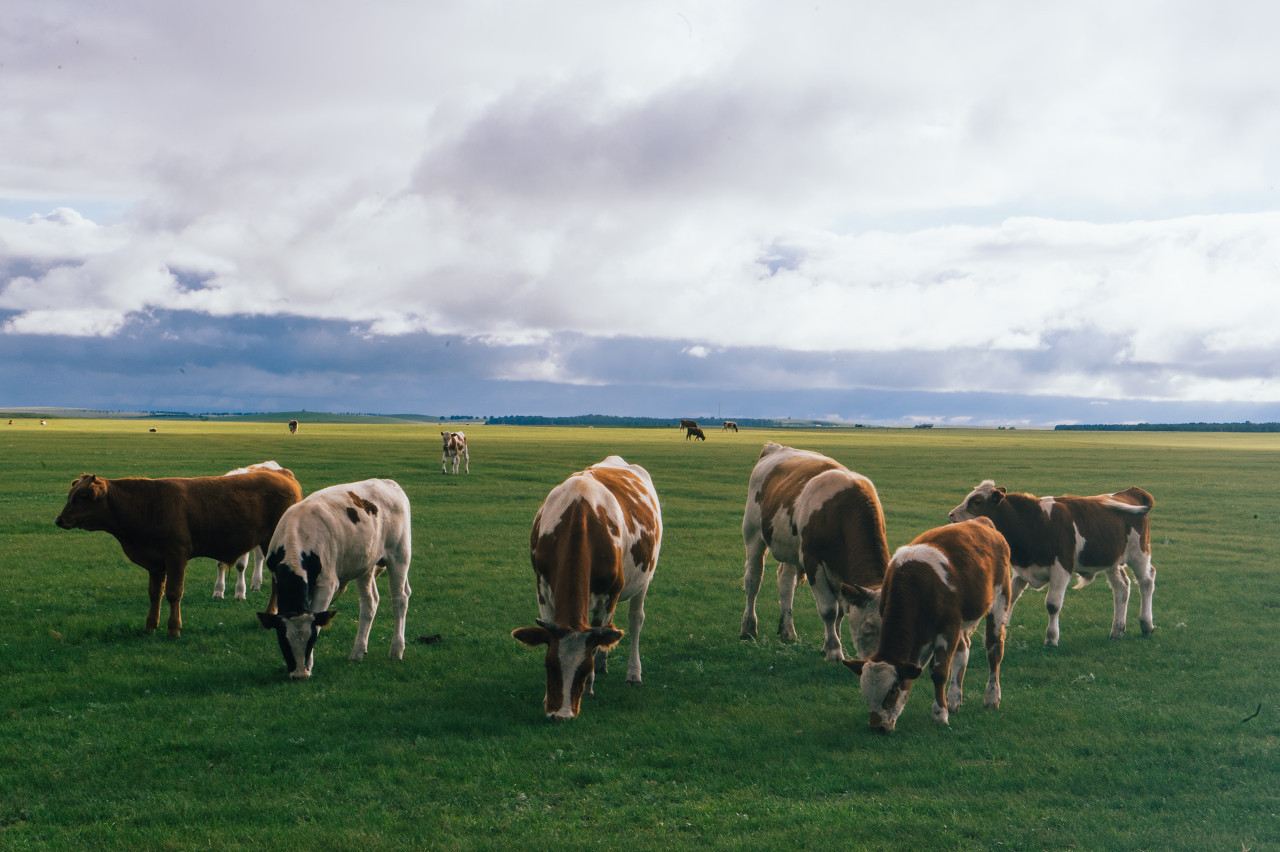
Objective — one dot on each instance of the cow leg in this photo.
(1146, 574)
(787, 577)
(176, 571)
(995, 653)
(155, 588)
(940, 671)
(1017, 586)
(754, 569)
(1119, 582)
(1059, 578)
(256, 556)
(241, 564)
(271, 601)
(635, 623)
(368, 609)
(444, 463)
(220, 584)
(831, 614)
(959, 663)
(467, 457)
(400, 591)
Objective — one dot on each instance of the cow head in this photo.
(570, 662)
(862, 609)
(981, 502)
(885, 686)
(84, 509)
(296, 632)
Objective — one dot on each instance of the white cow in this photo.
(455, 447)
(242, 564)
(338, 534)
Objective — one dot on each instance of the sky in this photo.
(988, 213)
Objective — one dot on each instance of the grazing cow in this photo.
(254, 556)
(1052, 538)
(163, 523)
(153, 429)
(695, 432)
(44, 422)
(688, 424)
(729, 426)
(455, 447)
(814, 514)
(293, 427)
(595, 542)
(935, 591)
(338, 534)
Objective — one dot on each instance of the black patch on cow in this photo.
(311, 565)
(353, 515)
(274, 558)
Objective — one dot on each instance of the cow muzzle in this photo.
(880, 724)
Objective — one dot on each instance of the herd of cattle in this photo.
(595, 543)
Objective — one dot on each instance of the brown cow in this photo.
(935, 592)
(688, 424)
(814, 514)
(1055, 537)
(293, 427)
(163, 523)
(696, 433)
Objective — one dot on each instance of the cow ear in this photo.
(323, 618)
(532, 637)
(854, 666)
(604, 637)
(908, 671)
(554, 629)
(268, 620)
(855, 595)
(998, 494)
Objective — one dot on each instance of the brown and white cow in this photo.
(293, 427)
(455, 447)
(339, 534)
(1052, 538)
(255, 556)
(729, 426)
(595, 542)
(163, 523)
(936, 590)
(695, 432)
(817, 516)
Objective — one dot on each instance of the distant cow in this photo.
(455, 447)
(594, 543)
(163, 523)
(293, 427)
(729, 426)
(695, 432)
(153, 429)
(814, 514)
(338, 534)
(688, 424)
(935, 591)
(254, 556)
(1052, 538)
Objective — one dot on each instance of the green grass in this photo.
(112, 738)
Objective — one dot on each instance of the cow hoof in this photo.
(745, 636)
(217, 596)
(1117, 633)
(1148, 629)
(635, 679)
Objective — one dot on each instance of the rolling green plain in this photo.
(111, 738)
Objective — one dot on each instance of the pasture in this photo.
(112, 738)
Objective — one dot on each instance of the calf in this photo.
(455, 447)
(163, 523)
(594, 543)
(293, 427)
(1052, 538)
(695, 432)
(814, 514)
(338, 534)
(254, 556)
(935, 591)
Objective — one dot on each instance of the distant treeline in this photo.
(607, 420)
(1174, 427)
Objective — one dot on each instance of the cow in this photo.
(293, 427)
(1052, 538)
(153, 429)
(163, 523)
(455, 447)
(688, 424)
(695, 432)
(817, 516)
(254, 556)
(338, 534)
(729, 426)
(595, 542)
(935, 591)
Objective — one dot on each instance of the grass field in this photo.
(115, 739)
